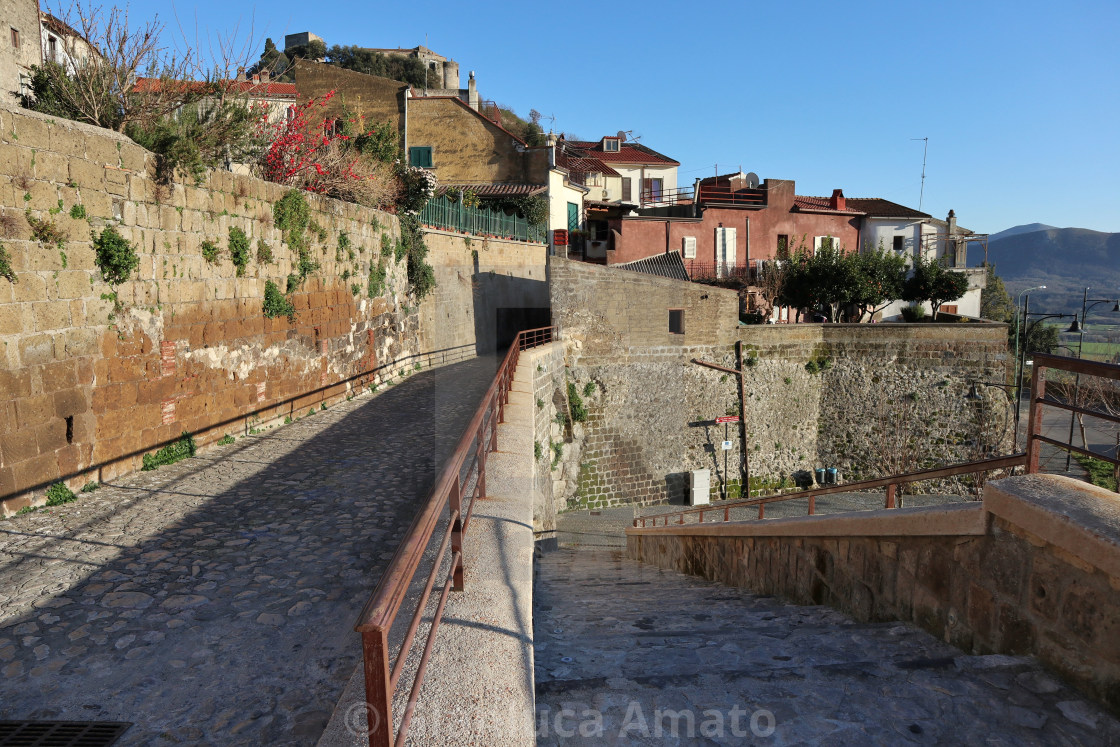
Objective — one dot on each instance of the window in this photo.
(688, 247)
(676, 321)
(898, 243)
(594, 179)
(825, 242)
(783, 246)
(15, 38)
(599, 230)
(651, 188)
(626, 188)
(420, 156)
(52, 49)
(610, 145)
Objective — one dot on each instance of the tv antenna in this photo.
(925, 149)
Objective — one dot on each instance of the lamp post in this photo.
(1086, 304)
(1019, 374)
(1027, 327)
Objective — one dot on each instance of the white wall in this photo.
(668, 175)
(884, 230)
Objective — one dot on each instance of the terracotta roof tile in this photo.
(877, 207)
(269, 88)
(498, 190)
(802, 202)
(627, 153)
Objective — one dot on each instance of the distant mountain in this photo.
(1065, 260)
(1016, 230)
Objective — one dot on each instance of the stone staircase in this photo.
(626, 653)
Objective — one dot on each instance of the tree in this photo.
(98, 85)
(879, 277)
(1040, 338)
(931, 281)
(995, 303)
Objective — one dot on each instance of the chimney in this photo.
(241, 73)
(256, 79)
(472, 93)
(952, 221)
(838, 201)
(265, 75)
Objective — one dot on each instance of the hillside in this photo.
(1066, 260)
(1016, 230)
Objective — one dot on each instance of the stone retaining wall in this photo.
(869, 399)
(1034, 570)
(88, 387)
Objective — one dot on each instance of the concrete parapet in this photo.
(1034, 569)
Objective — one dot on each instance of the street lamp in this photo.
(1019, 376)
(1086, 304)
(1027, 327)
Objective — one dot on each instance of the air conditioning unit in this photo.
(699, 487)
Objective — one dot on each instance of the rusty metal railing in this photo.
(442, 508)
(891, 483)
(1038, 400)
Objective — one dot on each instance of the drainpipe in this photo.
(666, 236)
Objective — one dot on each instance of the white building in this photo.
(914, 234)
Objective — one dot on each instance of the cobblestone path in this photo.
(616, 641)
(212, 601)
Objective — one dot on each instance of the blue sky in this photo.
(1020, 100)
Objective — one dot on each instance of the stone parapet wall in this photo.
(546, 364)
(869, 400)
(1034, 570)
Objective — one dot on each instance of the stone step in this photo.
(626, 640)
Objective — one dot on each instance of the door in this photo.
(725, 251)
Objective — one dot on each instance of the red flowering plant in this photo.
(309, 150)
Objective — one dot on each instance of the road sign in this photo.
(727, 446)
(728, 419)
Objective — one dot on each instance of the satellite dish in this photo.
(621, 135)
(752, 180)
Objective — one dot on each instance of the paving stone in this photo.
(181, 562)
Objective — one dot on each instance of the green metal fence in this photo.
(441, 212)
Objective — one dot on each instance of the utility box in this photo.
(699, 487)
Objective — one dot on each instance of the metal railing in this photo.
(444, 509)
(1038, 400)
(666, 197)
(715, 194)
(891, 483)
(443, 213)
(700, 271)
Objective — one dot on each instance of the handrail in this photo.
(380, 612)
(1038, 400)
(890, 482)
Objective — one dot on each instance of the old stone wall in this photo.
(1037, 573)
(486, 291)
(378, 99)
(865, 399)
(90, 381)
(547, 365)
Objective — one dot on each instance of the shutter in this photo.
(731, 247)
(817, 243)
(689, 247)
(626, 188)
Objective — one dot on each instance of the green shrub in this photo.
(538, 451)
(225, 440)
(355, 288)
(344, 248)
(589, 389)
(78, 212)
(45, 231)
(575, 404)
(238, 249)
(58, 494)
(211, 252)
(291, 212)
(376, 285)
(264, 251)
(116, 257)
(182, 449)
(276, 304)
(91, 486)
(6, 270)
(914, 313)
(386, 245)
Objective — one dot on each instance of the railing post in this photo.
(762, 510)
(1034, 419)
(727, 513)
(379, 701)
(812, 504)
(455, 503)
(890, 495)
